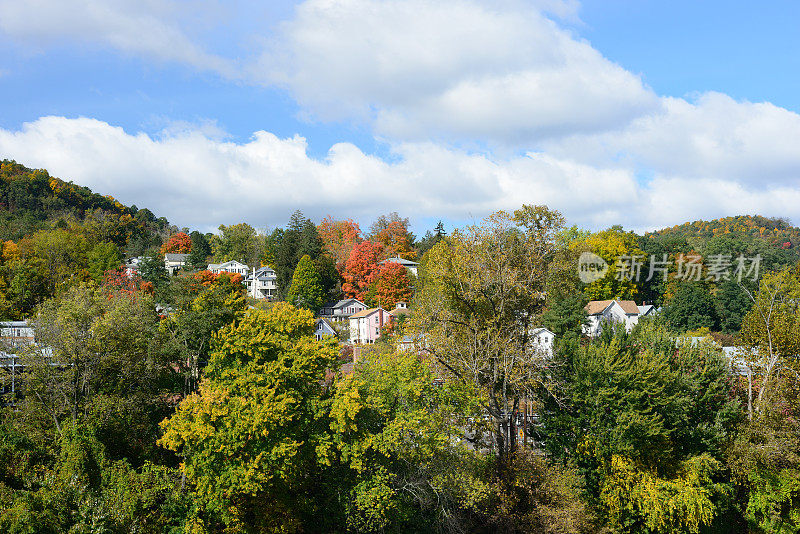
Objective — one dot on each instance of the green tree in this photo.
(771, 329)
(614, 246)
(249, 436)
(153, 270)
(306, 290)
(300, 238)
(239, 242)
(692, 307)
(103, 257)
(201, 250)
(648, 427)
(482, 296)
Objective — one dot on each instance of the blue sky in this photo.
(615, 112)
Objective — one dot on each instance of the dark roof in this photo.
(341, 303)
(401, 261)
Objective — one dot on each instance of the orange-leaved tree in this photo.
(396, 240)
(390, 285)
(339, 238)
(179, 243)
(361, 269)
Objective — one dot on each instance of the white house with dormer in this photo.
(604, 312)
(233, 267)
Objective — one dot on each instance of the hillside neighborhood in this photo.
(399, 266)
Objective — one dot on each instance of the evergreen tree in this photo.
(306, 290)
(152, 270)
(691, 308)
(200, 252)
(300, 238)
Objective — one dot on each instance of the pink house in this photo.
(366, 325)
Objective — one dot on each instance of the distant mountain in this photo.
(32, 199)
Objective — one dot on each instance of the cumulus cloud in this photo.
(144, 27)
(460, 69)
(713, 136)
(199, 180)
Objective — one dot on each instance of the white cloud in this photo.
(459, 69)
(144, 27)
(711, 137)
(199, 180)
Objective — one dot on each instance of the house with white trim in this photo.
(604, 312)
(262, 283)
(341, 310)
(233, 267)
(366, 325)
(324, 328)
(174, 262)
(543, 340)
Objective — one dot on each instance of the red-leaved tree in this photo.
(390, 285)
(179, 243)
(361, 269)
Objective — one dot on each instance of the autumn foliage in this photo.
(120, 280)
(396, 240)
(361, 269)
(207, 279)
(339, 238)
(390, 285)
(179, 243)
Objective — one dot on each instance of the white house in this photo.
(400, 310)
(543, 340)
(132, 266)
(323, 327)
(601, 312)
(262, 284)
(233, 267)
(15, 334)
(408, 264)
(341, 310)
(366, 325)
(175, 262)
(646, 309)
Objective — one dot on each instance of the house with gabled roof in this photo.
(543, 340)
(173, 262)
(323, 328)
(411, 266)
(604, 312)
(233, 267)
(366, 325)
(342, 309)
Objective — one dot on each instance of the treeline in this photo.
(157, 403)
(336, 258)
(225, 415)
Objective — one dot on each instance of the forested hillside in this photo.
(55, 233)
(776, 239)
